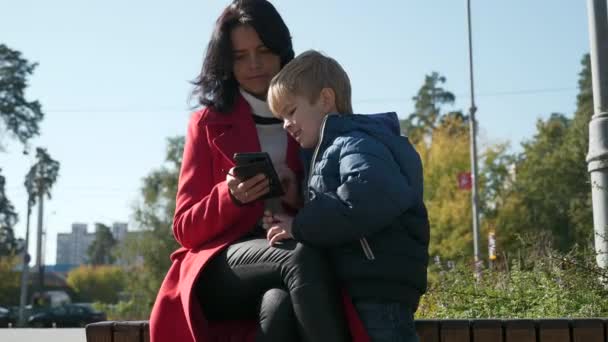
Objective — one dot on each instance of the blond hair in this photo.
(306, 75)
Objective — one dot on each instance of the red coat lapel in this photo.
(238, 135)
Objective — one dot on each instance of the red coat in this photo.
(206, 221)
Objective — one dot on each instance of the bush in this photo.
(10, 281)
(545, 287)
(124, 310)
(97, 283)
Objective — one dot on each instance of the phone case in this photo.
(250, 164)
(250, 157)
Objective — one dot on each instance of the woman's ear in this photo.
(328, 100)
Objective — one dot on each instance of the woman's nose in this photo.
(254, 61)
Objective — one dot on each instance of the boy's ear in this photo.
(328, 100)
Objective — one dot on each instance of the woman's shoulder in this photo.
(209, 115)
(205, 114)
(201, 115)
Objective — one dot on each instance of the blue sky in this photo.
(113, 78)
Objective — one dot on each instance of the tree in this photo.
(551, 195)
(428, 102)
(542, 193)
(442, 139)
(38, 182)
(8, 218)
(449, 207)
(496, 175)
(97, 283)
(42, 176)
(576, 145)
(9, 286)
(148, 254)
(100, 250)
(20, 117)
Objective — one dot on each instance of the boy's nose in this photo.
(287, 125)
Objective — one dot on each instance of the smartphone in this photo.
(250, 164)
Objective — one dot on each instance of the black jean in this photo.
(387, 321)
(233, 284)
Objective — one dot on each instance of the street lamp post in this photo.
(597, 158)
(25, 269)
(26, 256)
(473, 138)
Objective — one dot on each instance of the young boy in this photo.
(363, 195)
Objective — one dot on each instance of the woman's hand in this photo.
(278, 227)
(249, 190)
(289, 182)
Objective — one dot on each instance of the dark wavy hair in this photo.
(216, 85)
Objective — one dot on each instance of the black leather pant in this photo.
(303, 302)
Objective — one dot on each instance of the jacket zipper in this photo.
(314, 155)
(367, 250)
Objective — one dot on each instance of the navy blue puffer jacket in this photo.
(365, 205)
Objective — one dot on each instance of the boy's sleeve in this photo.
(373, 192)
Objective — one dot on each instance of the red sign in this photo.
(465, 181)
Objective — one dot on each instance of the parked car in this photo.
(13, 314)
(6, 318)
(67, 315)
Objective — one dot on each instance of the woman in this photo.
(226, 275)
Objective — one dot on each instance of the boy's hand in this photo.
(278, 227)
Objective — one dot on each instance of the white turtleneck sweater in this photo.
(273, 140)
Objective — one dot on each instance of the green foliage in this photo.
(129, 310)
(97, 283)
(148, 253)
(8, 218)
(100, 250)
(428, 102)
(9, 281)
(449, 207)
(442, 139)
(542, 192)
(42, 175)
(552, 285)
(19, 117)
(550, 194)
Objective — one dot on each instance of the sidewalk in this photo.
(46, 335)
